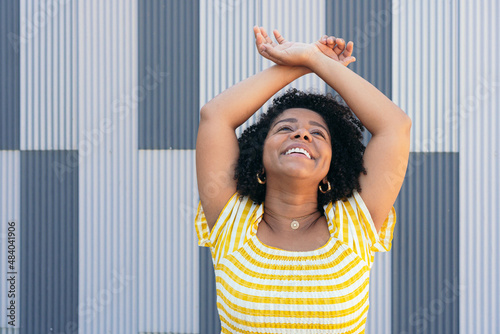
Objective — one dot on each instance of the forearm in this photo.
(377, 112)
(238, 103)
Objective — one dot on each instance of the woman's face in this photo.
(298, 145)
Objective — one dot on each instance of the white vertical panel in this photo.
(10, 209)
(108, 166)
(168, 247)
(296, 20)
(424, 76)
(479, 112)
(379, 314)
(49, 79)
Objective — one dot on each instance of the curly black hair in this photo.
(347, 148)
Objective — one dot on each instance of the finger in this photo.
(339, 48)
(278, 36)
(348, 60)
(331, 41)
(266, 36)
(270, 53)
(256, 30)
(348, 49)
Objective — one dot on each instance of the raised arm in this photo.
(386, 156)
(217, 146)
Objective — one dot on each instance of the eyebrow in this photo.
(294, 120)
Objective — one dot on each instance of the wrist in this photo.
(319, 60)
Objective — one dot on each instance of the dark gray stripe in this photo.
(10, 43)
(168, 91)
(425, 248)
(209, 316)
(49, 242)
(369, 25)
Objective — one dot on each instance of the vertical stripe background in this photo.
(108, 96)
(479, 120)
(10, 44)
(49, 247)
(425, 54)
(10, 210)
(48, 75)
(74, 79)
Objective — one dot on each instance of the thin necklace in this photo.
(294, 224)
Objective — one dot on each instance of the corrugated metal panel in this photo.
(479, 111)
(379, 314)
(168, 270)
(108, 165)
(168, 74)
(425, 275)
(10, 210)
(425, 71)
(368, 24)
(49, 231)
(48, 75)
(9, 75)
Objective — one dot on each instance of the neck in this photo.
(296, 200)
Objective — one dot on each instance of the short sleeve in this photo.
(207, 238)
(354, 226)
(233, 227)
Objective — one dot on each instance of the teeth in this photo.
(298, 150)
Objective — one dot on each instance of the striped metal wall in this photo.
(48, 75)
(108, 167)
(425, 273)
(168, 270)
(10, 43)
(425, 71)
(49, 247)
(78, 124)
(10, 211)
(479, 120)
(168, 73)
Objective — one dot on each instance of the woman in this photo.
(294, 212)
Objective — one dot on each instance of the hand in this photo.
(298, 54)
(283, 53)
(336, 49)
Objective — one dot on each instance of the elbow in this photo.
(205, 113)
(405, 122)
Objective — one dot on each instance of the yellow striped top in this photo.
(264, 289)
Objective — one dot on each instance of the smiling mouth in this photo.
(298, 151)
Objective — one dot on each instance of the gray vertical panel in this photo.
(49, 249)
(9, 75)
(168, 90)
(425, 276)
(209, 316)
(369, 25)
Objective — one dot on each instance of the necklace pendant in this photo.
(294, 224)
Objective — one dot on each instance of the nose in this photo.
(302, 133)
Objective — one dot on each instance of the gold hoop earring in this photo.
(327, 190)
(259, 180)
